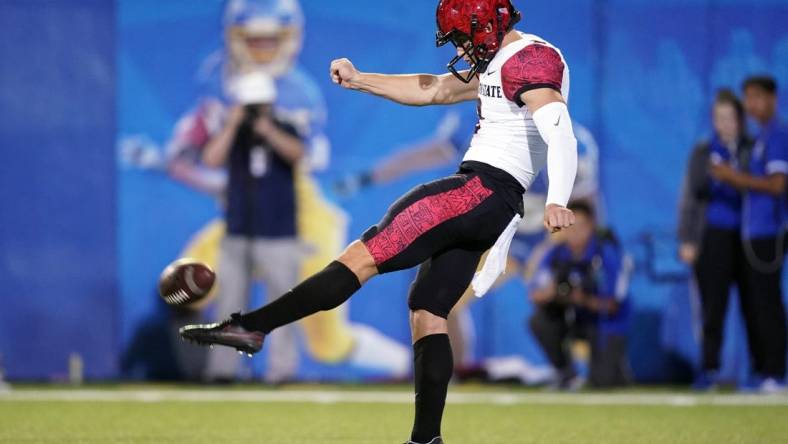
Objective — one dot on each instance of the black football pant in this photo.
(765, 306)
(721, 264)
(445, 226)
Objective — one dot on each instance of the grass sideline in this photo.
(475, 415)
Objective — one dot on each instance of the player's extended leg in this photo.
(325, 290)
(429, 219)
(439, 285)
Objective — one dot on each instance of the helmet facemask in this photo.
(479, 42)
(476, 54)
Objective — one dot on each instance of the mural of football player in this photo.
(444, 147)
(266, 35)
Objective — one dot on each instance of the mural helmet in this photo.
(477, 27)
(262, 35)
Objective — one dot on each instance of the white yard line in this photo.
(335, 396)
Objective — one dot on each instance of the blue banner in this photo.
(57, 187)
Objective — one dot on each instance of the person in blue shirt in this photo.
(580, 292)
(763, 232)
(710, 213)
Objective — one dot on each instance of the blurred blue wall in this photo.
(643, 74)
(58, 224)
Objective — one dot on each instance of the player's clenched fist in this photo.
(556, 218)
(343, 72)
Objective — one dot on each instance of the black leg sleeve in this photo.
(433, 365)
(325, 290)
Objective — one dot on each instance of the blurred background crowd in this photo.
(136, 132)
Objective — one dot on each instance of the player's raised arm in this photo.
(551, 117)
(407, 89)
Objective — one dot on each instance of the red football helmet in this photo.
(476, 26)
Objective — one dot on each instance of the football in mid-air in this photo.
(185, 282)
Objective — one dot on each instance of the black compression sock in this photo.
(325, 290)
(433, 366)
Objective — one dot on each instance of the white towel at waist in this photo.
(495, 264)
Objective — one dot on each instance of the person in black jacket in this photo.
(710, 214)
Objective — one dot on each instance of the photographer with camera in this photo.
(261, 153)
(580, 292)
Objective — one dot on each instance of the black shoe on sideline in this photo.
(436, 440)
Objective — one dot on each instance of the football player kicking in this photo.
(445, 226)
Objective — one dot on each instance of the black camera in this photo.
(570, 275)
(254, 111)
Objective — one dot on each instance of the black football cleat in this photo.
(436, 440)
(229, 333)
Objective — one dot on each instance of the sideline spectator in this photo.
(710, 214)
(261, 153)
(580, 291)
(763, 230)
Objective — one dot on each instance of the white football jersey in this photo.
(507, 137)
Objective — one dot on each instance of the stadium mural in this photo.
(618, 83)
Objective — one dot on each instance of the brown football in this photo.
(185, 282)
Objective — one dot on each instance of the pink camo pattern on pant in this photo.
(423, 215)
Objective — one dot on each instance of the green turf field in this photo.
(331, 415)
